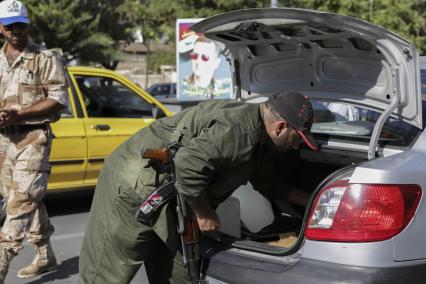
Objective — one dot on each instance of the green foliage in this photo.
(156, 59)
(404, 17)
(62, 24)
(113, 22)
(86, 30)
(92, 30)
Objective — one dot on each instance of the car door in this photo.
(114, 109)
(68, 158)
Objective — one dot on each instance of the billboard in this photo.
(202, 71)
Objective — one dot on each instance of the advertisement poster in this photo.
(202, 71)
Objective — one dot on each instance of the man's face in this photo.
(16, 34)
(287, 138)
(205, 59)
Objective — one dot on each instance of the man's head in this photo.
(14, 22)
(288, 120)
(205, 58)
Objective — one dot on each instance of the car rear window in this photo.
(350, 122)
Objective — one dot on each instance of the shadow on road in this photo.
(64, 203)
(66, 269)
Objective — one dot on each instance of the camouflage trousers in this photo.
(24, 170)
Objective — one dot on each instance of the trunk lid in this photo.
(323, 55)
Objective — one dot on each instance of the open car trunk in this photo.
(370, 74)
(251, 221)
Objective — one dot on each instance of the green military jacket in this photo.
(224, 145)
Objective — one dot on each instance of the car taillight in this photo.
(345, 212)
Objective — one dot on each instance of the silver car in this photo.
(365, 221)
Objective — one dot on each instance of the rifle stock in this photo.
(162, 155)
(191, 233)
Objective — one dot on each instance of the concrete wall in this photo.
(133, 66)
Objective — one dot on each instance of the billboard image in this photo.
(202, 71)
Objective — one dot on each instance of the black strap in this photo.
(21, 128)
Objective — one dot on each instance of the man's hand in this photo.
(8, 117)
(207, 219)
(15, 113)
(208, 223)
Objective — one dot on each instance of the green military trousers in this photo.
(116, 244)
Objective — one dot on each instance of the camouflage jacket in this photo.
(35, 75)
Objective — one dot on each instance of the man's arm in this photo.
(270, 179)
(52, 76)
(278, 189)
(43, 108)
(196, 164)
(207, 219)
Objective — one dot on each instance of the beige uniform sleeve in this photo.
(52, 74)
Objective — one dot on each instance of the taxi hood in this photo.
(323, 55)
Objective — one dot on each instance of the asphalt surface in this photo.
(68, 213)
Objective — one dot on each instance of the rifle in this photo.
(187, 223)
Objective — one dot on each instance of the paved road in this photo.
(69, 213)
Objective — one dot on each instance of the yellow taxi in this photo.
(104, 109)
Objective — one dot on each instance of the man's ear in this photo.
(280, 126)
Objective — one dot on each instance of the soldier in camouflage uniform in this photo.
(32, 93)
(224, 144)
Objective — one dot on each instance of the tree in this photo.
(113, 21)
(88, 30)
(65, 25)
(420, 6)
(93, 30)
(404, 17)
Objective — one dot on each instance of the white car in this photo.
(365, 222)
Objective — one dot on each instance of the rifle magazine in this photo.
(150, 207)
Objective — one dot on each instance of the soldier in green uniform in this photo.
(225, 144)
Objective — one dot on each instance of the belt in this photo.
(16, 129)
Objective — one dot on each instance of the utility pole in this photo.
(274, 3)
(371, 10)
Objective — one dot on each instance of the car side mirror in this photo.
(157, 113)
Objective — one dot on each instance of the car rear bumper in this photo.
(232, 268)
